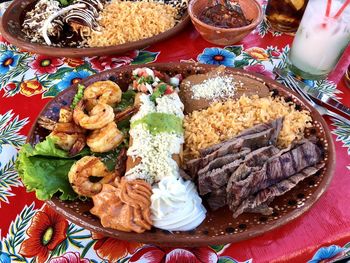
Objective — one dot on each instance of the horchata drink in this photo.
(322, 36)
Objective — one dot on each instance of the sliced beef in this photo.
(276, 124)
(217, 198)
(259, 201)
(273, 171)
(185, 175)
(263, 137)
(221, 161)
(216, 178)
(263, 209)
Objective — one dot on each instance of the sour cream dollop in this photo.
(176, 205)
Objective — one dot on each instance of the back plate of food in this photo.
(219, 226)
(11, 30)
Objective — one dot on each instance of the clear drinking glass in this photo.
(322, 36)
(285, 15)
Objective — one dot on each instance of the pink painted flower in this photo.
(259, 68)
(43, 64)
(70, 257)
(275, 53)
(10, 87)
(104, 62)
(150, 254)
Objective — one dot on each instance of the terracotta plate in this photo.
(219, 227)
(10, 28)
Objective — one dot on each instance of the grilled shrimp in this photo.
(105, 139)
(67, 135)
(98, 117)
(106, 92)
(84, 170)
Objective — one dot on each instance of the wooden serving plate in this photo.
(219, 227)
(11, 24)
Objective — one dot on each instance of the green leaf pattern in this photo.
(10, 141)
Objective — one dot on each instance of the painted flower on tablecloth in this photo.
(4, 257)
(43, 64)
(259, 68)
(112, 249)
(217, 56)
(8, 60)
(151, 254)
(106, 62)
(73, 62)
(326, 253)
(257, 53)
(71, 78)
(70, 257)
(31, 87)
(10, 87)
(47, 230)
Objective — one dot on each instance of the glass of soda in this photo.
(285, 15)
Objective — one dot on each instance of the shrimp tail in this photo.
(47, 123)
(78, 146)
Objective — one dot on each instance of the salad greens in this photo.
(127, 100)
(44, 169)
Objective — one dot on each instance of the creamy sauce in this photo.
(176, 205)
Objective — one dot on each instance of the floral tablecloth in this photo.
(31, 232)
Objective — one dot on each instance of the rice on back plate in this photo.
(124, 22)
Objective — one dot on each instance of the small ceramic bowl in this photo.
(225, 36)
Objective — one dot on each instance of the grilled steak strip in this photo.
(217, 198)
(254, 202)
(273, 171)
(251, 140)
(217, 178)
(276, 124)
(221, 161)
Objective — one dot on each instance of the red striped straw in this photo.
(341, 10)
(328, 9)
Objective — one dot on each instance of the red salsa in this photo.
(220, 16)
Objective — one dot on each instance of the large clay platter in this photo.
(219, 227)
(10, 28)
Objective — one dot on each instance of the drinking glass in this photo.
(322, 36)
(285, 15)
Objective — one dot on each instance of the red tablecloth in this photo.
(30, 231)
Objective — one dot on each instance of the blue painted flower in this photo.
(325, 253)
(217, 56)
(309, 82)
(71, 78)
(4, 257)
(7, 60)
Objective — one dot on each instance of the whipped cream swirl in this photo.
(176, 205)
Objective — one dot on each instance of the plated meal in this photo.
(85, 28)
(175, 150)
(99, 23)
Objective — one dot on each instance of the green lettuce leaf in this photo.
(45, 176)
(44, 169)
(127, 100)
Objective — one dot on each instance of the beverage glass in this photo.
(285, 15)
(322, 36)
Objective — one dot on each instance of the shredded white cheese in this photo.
(156, 151)
(214, 88)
